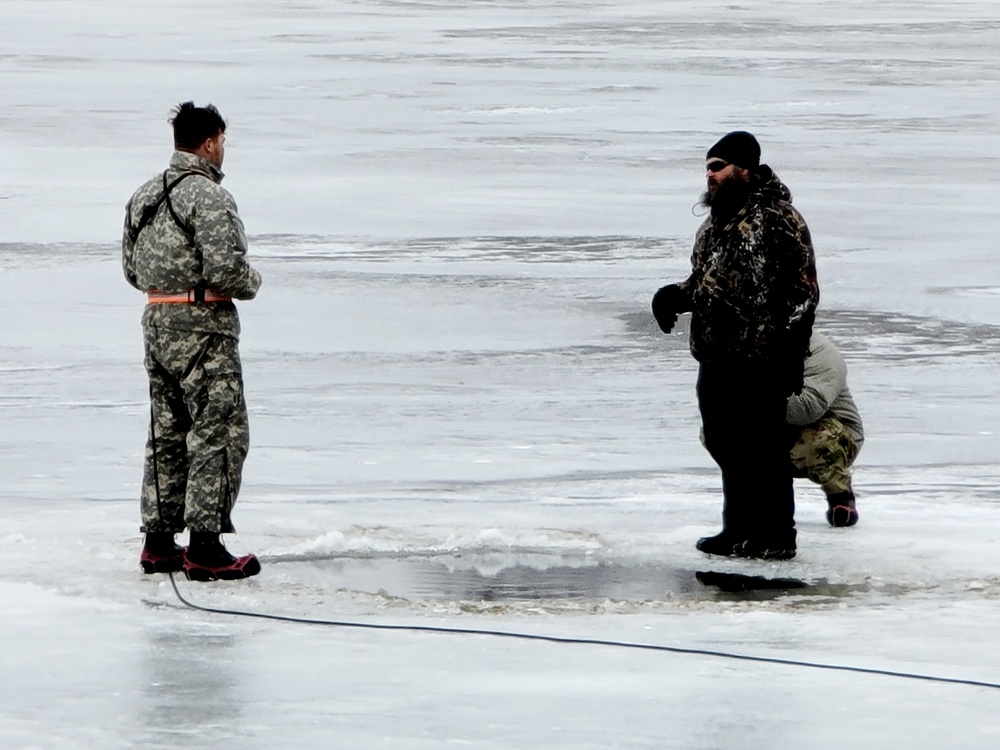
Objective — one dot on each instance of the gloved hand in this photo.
(794, 376)
(794, 360)
(667, 303)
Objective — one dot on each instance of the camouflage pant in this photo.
(199, 435)
(823, 453)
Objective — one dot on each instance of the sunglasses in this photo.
(717, 165)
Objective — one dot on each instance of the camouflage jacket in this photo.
(195, 239)
(753, 289)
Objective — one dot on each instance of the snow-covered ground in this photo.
(462, 413)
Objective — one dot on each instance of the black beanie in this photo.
(739, 148)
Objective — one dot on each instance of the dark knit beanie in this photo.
(739, 148)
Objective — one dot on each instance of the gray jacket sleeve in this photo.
(220, 238)
(128, 249)
(825, 378)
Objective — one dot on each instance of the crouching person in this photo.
(825, 429)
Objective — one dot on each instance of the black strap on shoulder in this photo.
(185, 227)
(151, 210)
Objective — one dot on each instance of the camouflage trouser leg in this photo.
(823, 453)
(199, 435)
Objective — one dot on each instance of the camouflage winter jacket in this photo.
(753, 289)
(194, 239)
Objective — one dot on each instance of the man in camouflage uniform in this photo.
(185, 247)
(826, 432)
(752, 293)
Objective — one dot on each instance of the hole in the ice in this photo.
(513, 580)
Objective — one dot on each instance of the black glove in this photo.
(794, 361)
(794, 376)
(667, 303)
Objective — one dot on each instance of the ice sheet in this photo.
(462, 413)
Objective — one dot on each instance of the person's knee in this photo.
(226, 408)
(224, 395)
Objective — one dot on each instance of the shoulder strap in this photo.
(185, 227)
(151, 210)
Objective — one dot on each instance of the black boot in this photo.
(724, 544)
(161, 554)
(208, 560)
(772, 547)
(843, 510)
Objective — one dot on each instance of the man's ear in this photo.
(205, 150)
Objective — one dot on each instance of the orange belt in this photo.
(190, 297)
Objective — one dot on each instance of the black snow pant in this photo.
(743, 406)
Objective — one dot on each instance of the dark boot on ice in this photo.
(207, 560)
(161, 554)
(767, 550)
(768, 544)
(724, 544)
(727, 545)
(842, 510)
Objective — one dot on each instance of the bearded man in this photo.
(753, 294)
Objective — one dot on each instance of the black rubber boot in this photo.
(161, 554)
(723, 544)
(843, 510)
(773, 549)
(207, 559)
(726, 545)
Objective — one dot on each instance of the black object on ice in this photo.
(735, 583)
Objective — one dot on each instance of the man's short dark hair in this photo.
(195, 125)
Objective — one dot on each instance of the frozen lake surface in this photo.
(462, 413)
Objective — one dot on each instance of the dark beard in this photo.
(729, 198)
